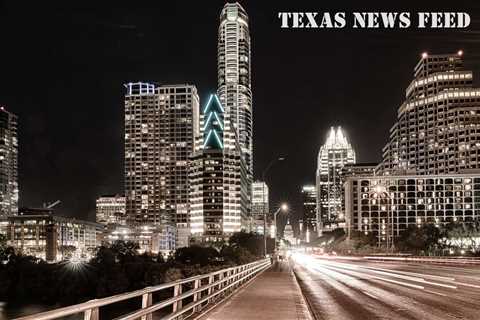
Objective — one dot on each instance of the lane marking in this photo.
(439, 284)
(370, 295)
(467, 284)
(437, 293)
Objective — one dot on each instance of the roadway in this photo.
(343, 288)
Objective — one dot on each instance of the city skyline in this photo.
(182, 159)
(82, 163)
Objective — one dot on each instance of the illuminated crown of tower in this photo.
(213, 127)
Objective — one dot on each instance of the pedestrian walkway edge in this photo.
(304, 297)
(203, 313)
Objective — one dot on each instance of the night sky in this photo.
(63, 67)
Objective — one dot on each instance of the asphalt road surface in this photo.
(344, 288)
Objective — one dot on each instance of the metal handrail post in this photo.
(147, 302)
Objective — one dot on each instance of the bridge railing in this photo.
(187, 296)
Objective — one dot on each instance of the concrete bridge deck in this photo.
(274, 295)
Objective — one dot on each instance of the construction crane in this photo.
(51, 205)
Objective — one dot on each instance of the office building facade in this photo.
(110, 209)
(8, 163)
(260, 205)
(408, 201)
(153, 239)
(40, 233)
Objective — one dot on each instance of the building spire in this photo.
(337, 139)
(214, 124)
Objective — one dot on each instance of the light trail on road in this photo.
(343, 289)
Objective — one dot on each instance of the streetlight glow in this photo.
(380, 189)
(283, 207)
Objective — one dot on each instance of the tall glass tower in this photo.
(234, 85)
(333, 156)
(8, 163)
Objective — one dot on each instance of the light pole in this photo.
(284, 208)
(264, 174)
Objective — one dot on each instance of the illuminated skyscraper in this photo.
(217, 178)
(333, 156)
(259, 205)
(438, 125)
(234, 84)
(308, 222)
(8, 163)
(161, 123)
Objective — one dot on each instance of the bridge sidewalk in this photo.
(274, 295)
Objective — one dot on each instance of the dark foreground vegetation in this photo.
(113, 269)
(454, 238)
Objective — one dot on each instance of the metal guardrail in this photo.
(439, 260)
(202, 290)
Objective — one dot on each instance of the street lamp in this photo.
(264, 174)
(284, 208)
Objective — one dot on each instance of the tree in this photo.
(462, 236)
(362, 240)
(124, 250)
(330, 239)
(3, 248)
(253, 242)
(237, 255)
(423, 239)
(196, 255)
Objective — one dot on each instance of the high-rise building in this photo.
(8, 163)
(180, 126)
(308, 222)
(260, 205)
(332, 157)
(430, 166)
(110, 209)
(438, 126)
(218, 179)
(161, 123)
(234, 83)
(145, 201)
